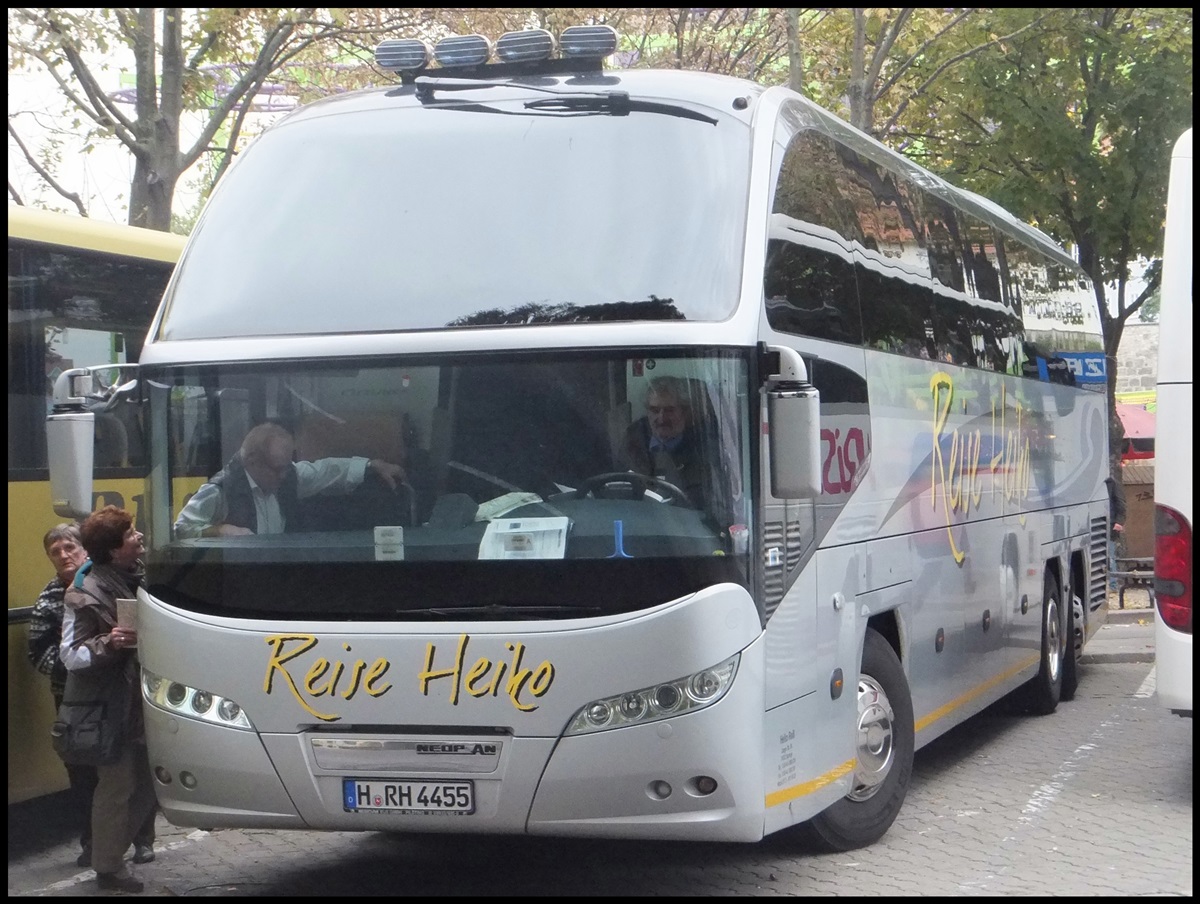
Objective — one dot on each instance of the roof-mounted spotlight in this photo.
(462, 50)
(530, 45)
(587, 42)
(404, 56)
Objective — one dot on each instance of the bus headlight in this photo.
(192, 703)
(661, 701)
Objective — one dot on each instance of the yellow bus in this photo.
(78, 290)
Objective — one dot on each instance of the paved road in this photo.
(1093, 800)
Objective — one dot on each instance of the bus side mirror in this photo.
(794, 428)
(70, 438)
(70, 444)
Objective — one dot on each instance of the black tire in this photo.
(1073, 620)
(1043, 691)
(885, 756)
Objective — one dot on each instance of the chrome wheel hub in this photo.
(875, 742)
(1053, 639)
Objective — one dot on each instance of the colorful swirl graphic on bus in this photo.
(956, 457)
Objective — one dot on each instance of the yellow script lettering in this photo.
(316, 671)
(942, 476)
(323, 675)
(454, 671)
(377, 670)
(279, 661)
(485, 676)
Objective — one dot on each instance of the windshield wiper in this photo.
(428, 84)
(571, 102)
(496, 610)
(614, 103)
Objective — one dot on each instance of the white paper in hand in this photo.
(127, 614)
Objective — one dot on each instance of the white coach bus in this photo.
(1174, 448)
(733, 472)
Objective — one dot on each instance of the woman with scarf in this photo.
(92, 641)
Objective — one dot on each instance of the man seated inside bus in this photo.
(669, 442)
(257, 492)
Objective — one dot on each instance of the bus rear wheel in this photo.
(1073, 636)
(1043, 691)
(883, 756)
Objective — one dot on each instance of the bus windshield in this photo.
(560, 486)
(560, 218)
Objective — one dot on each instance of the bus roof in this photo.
(69, 231)
(711, 89)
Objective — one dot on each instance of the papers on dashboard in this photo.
(502, 505)
(525, 538)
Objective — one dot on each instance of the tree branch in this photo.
(234, 131)
(206, 44)
(268, 59)
(44, 173)
(924, 86)
(884, 47)
(145, 68)
(107, 114)
(171, 103)
(919, 53)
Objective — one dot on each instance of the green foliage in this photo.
(749, 43)
(1066, 116)
(1074, 123)
(1070, 124)
(1148, 312)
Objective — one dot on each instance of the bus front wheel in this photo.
(884, 740)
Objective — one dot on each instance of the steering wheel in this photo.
(599, 487)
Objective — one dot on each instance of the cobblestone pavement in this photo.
(1093, 800)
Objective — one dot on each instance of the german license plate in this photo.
(408, 796)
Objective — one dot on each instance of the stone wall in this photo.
(1137, 358)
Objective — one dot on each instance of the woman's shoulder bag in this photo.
(92, 723)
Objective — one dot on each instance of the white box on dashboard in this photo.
(389, 536)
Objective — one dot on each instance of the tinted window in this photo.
(73, 309)
(856, 246)
(893, 262)
(809, 281)
(423, 217)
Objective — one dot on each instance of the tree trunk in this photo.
(795, 51)
(857, 87)
(150, 194)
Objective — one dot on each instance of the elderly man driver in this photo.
(257, 491)
(666, 442)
